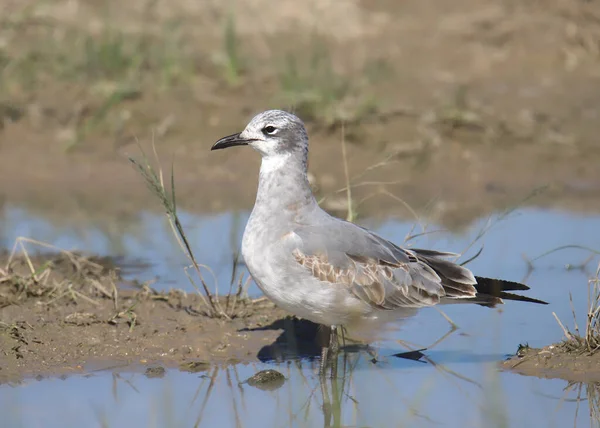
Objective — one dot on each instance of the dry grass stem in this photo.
(155, 181)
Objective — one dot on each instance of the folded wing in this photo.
(389, 277)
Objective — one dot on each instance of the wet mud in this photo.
(75, 314)
(555, 361)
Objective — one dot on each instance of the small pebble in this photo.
(267, 380)
(155, 372)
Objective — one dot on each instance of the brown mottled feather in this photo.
(369, 279)
(376, 282)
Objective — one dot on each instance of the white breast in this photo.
(293, 288)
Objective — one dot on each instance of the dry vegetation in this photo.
(588, 341)
(67, 275)
(59, 277)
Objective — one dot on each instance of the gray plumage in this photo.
(328, 270)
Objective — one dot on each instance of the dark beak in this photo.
(230, 141)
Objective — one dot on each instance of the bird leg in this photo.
(323, 364)
(329, 353)
(334, 347)
(334, 344)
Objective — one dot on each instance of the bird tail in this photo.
(492, 292)
(459, 283)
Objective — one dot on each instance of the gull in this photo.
(330, 271)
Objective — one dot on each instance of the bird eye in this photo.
(270, 130)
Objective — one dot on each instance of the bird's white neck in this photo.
(273, 163)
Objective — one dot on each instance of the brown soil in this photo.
(555, 361)
(69, 320)
(482, 102)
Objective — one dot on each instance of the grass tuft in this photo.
(66, 275)
(589, 341)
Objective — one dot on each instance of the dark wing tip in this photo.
(498, 288)
(493, 286)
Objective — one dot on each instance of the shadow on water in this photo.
(299, 339)
(454, 382)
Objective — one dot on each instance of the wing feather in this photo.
(387, 276)
(377, 271)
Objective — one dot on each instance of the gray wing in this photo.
(377, 271)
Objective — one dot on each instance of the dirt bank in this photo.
(555, 361)
(75, 317)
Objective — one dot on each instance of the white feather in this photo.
(273, 162)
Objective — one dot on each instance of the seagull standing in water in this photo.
(330, 271)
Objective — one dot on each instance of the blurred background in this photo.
(458, 108)
(451, 113)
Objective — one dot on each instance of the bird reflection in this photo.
(300, 343)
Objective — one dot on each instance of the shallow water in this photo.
(458, 386)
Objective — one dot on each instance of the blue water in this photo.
(462, 389)
(404, 395)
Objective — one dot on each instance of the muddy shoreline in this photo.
(66, 313)
(555, 361)
(74, 318)
(456, 186)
